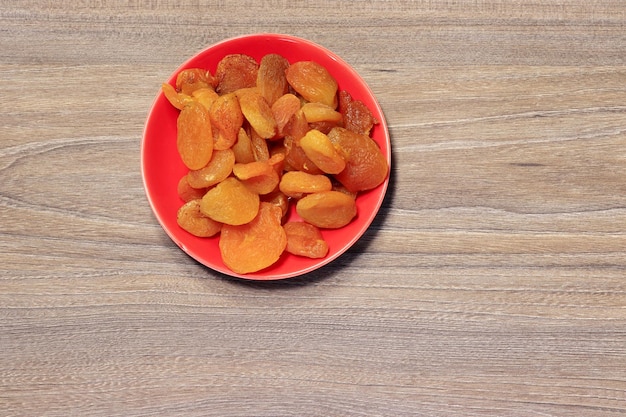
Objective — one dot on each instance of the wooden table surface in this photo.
(492, 283)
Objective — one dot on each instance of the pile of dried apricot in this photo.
(258, 137)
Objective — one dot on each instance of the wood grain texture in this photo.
(491, 284)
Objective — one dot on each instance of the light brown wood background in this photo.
(493, 282)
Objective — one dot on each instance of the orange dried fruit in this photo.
(304, 239)
(313, 82)
(357, 117)
(230, 202)
(256, 245)
(226, 119)
(236, 71)
(296, 159)
(297, 126)
(283, 109)
(260, 149)
(242, 148)
(277, 159)
(191, 79)
(264, 183)
(194, 136)
(271, 80)
(319, 149)
(259, 176)
(176, 99)
(219, 167)
(279, 199)
(295, 184)
(258, 113)
(327, 209)
(366, 166)
(324, 127)
(191, 219)
(205, 96)
(320, 112)
(186, 192)
(251, 169)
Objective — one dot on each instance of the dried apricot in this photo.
(176, 99)
(270, 79)
(259, 176)
(191, 219)
(327, 209)
(277, 158)
(279, 199)
(297, 159)
(242, 148)
(297, 126)
(256, 245)
(205, 96)
(319, 149)
(219, 167)
(366, 166)
(304, 239)
(357, 117)
(283, 109)
(297, 183)
(226, 119)
(260, 149)
(186, 192)
(313, 82)
(236, 71)
(258, 113)
(320, 112)
(194, 136)
(191, 79)
(230, 202)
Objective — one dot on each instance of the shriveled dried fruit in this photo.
(176, 99)
(259, 176)
(296, 159)
(219, 167)
(258, 113)
(242, 148)
(304, 239)
(319, 149)
(259, 146)
(226, 119)
(205, 96)
(283, 110)
(194, 136)
(236, 71)
(186, 192)
(230, 202)
(320, 112)
(191, 219)
(366, 166)
(191, 79)
(295, 184)
(297, 126)
(279, 199)
(271, 80)
(327, 209)
(313, 82)
(256, 245)
(277, 158)
(357, 117)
